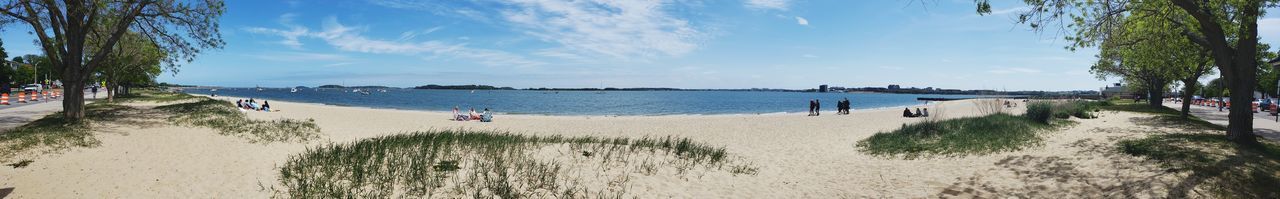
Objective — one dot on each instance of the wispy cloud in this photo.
(620, 29)
(299, 56)
(802, 21)
(290, 33)
(348, 38)
(768, 4)
(809, 56)
(617, 29)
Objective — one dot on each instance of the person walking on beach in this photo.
(817, 107)
(812, 106)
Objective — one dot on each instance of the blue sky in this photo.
(660, 43)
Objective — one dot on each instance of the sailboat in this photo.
(601, 88)
(294, 90)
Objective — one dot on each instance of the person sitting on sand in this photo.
(906, 112)
(474, 115)
(457, 116)
(265, 106)
(239, 104)
(918, 113)
(486, 116)
(926, 113)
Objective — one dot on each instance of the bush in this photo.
(955, 137)
(1039, 112)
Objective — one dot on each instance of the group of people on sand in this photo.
(485, 116)
(253, 105)
(842, 107)
(814, 106)
(906, 112)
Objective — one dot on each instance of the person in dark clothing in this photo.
(812, 105)
(265, 106)
(918, 113)
(906, 112)
(817, 107)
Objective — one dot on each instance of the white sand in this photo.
(797, 156)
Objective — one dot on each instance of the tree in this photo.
(133, 60)
(6, 71)
(182, 28)
(1227, 28)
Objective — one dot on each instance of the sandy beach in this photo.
(797, 156)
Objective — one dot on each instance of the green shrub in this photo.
(956, 137)
(1039, 112)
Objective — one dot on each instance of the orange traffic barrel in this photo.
(4, 98)
(35, 96)
(22, 97)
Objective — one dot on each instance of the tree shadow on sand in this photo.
(1167, 157)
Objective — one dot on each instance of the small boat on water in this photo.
(294, 90)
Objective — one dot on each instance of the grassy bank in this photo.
(228, 120)
(1225, 169)
(457, 163)
(956, 137)
(1216, 167)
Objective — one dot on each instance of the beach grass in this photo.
(486, 164)
(153, 95)
(227, 120)
(956, 137)
(53, 132)
(1225, 169)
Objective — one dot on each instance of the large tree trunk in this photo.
(111, 91)
(1155, 93)
(1240, 126)
(1187, 92)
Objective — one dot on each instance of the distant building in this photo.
(894, 87)
(822, 88)
(1116, 90)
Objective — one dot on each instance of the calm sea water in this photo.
(582, 102)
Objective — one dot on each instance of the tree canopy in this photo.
(1228, 29)
(63, 29)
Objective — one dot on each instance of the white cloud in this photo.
(347, 38)
(621, 29)
(810, 56)
(290, 35)
(300, 56)
(802, 21)
(768, 4)
(410, 35)
(617, 29)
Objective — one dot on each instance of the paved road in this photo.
(18, 114)
(13, 102)
(1264, 124)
